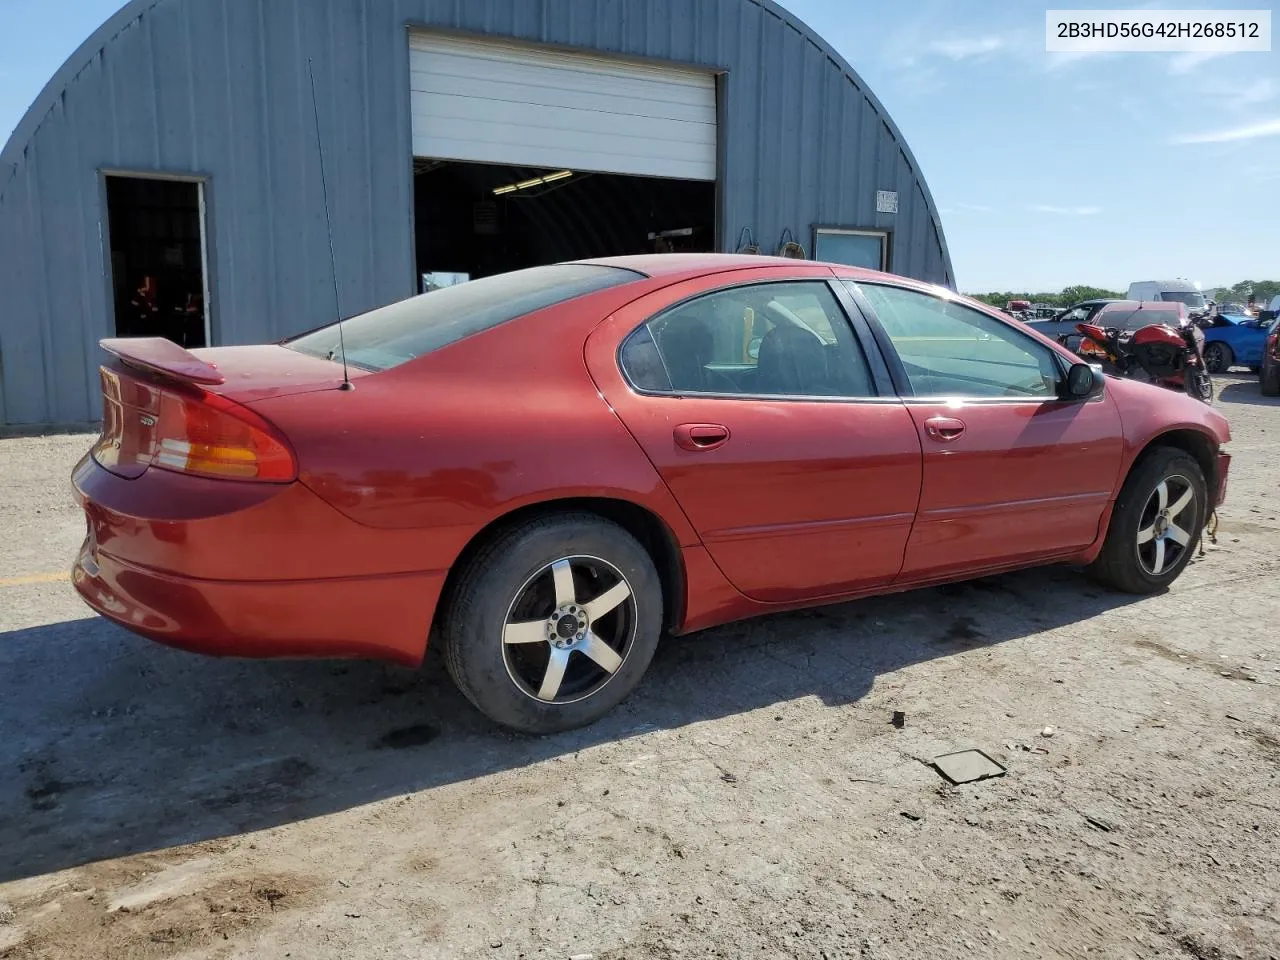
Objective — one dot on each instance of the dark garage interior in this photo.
(480, 219)
(157, 258)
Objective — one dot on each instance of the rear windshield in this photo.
(1127, 318)
(396, 334)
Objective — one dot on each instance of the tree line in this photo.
(1261, 290)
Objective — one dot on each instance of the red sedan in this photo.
(555, 466)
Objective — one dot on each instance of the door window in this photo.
(949, 349)
(771, 339)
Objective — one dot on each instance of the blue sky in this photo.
(1048, 169)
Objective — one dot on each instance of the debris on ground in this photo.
(967, 766)
(899, 719)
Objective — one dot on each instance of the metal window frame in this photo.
(202, 183)
(885, 235)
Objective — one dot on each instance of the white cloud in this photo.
(1251, 131)
(1054, 60)
(967, 47)
(1188, 60)
(1239, 95)
(976, 207)
(1065, 211)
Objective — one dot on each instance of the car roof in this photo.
(672, 265)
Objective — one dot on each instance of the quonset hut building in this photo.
(168, 179)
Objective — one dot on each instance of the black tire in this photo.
(1198, 384)
(1218, 357)
(1126, 565)
(1271, 380)
(500, 678)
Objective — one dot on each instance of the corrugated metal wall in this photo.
(220, 90)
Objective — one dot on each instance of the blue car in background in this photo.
(1233, 341)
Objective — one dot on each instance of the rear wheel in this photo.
(1218, 357)
(553, 623)
(1156, 524)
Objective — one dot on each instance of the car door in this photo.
(1065, 325)
(1250, 338)
(756, 402)
(1011, 473)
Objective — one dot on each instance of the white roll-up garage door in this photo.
(497, 102)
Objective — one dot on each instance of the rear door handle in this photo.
(944, 429)
(697, 437)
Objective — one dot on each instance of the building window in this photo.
(853, 248)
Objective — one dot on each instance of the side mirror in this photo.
(1084, 382)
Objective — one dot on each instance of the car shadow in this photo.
(115, 746)
(1244, 389)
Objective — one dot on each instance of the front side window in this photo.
(770, 339)
(950, 350)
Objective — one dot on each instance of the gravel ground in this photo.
(752, 800)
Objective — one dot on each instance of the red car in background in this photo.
(1269, 373)
(553, 467)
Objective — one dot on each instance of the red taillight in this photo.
(210, 436)
(150, 422)
(1273, 344)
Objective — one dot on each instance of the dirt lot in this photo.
(753, 800)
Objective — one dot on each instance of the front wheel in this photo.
(1218, 357)
(1271, 380)
(1198, 384)
(1156, 524)
(553, 623)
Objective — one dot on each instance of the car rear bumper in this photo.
(383, 618)
(250, 570)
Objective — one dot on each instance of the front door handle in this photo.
(697, 437)
(944, 429)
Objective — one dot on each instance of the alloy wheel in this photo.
(1215, 358)
(569, 629)
(1163, 534)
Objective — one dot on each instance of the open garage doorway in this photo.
(158, 265)
(477, 219)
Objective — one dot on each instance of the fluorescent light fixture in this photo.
(535, 182)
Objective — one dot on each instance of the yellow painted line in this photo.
(36, 578)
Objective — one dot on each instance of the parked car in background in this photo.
(1170, 291)
(550, 469)
(1065, 323)
(1234, 341)
(1270, 368)
(1272, 311)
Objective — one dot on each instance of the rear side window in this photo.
(395, 334)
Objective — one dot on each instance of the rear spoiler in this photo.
(163, 356)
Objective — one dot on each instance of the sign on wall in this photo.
(886, 201)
